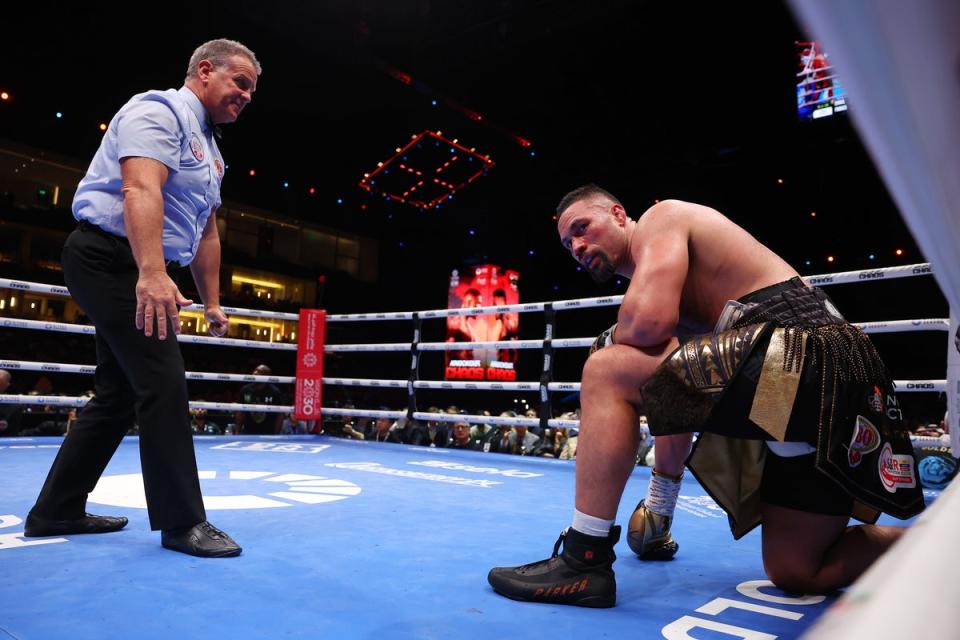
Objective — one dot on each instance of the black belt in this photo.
(790, 303)
(766, 293)
(85, 225)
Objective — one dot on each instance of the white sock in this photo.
(590, 525)
(662, 494)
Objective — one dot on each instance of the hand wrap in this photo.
(605, 339)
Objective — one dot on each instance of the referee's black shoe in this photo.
(37, 527)
(202, 540)
(582, 575)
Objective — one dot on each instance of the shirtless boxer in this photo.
(800, 428)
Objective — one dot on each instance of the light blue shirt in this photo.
(171, 127)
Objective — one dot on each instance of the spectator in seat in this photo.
(259, 422)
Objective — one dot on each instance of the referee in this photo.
(147, 209)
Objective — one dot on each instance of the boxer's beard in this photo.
(604, 271)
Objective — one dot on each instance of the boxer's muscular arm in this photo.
(650, 311)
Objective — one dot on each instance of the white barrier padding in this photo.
(953, 384)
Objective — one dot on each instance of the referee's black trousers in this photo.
(138, 379)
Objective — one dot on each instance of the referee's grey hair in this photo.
(219, 52)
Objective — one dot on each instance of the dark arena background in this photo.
(505, 106)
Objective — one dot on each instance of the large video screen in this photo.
(819, 93)
(482, 286)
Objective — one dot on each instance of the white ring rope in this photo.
(882, 326)
(79, 401)
(905, 326)
(65, 401)
(66, 327)
(887, 326)
(911, 386)
(476, 386)
(60, 367)
(864, 275)
(52, 401)
(236, 342)
(457, 384)
(582, 303)
(442, 384)
(254, 313)
(883, 273)
(63, 327)
(52, 367)
(449, 417)
(238, 406)
(556, 423)
(39, 287)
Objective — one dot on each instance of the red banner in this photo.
(313, 333)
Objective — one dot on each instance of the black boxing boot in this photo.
(582, 575)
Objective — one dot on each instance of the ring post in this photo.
(546, 376)
(414, 366)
